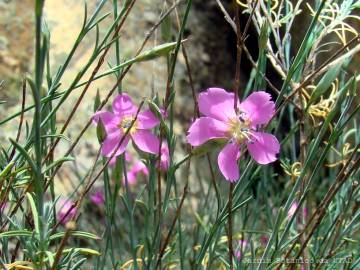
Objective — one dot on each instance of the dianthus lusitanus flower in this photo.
(238, 128)
(165, 157)
(138, 168)
(97, 197)
(66, 210)
(241, 248)
(117, 123)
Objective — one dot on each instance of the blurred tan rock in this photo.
(16, 45)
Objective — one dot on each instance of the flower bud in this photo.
(97, 101)
(100, 131)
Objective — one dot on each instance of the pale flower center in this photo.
(240, 129)
(125, 123)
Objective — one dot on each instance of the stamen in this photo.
(240, 129)
(246, 135)
(125, 124)
(242, 116)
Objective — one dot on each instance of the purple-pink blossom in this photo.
(97, 197)
(264, 239)
(127, 156)
(221, 121)
(164, 157)
(3, 206)
(241, 248)
(138, 168)
(293, 208)
(116, 124)
(66, 210)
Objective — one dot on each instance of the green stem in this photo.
(117, 45)
(39, 65)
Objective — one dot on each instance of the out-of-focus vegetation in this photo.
(65, 206)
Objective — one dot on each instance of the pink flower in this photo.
(292, 209)
(117, 122)
(137, 169)
(264, 239)
(128, 158)
(222, 122)
(242, 247)
(3, 206)
(165, 157)
(305, 212)
(66, 210)
(97, 198)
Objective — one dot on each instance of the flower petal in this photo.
(238, 254)
(147, 120)
(123, 105)
(263, 148)
(165, 157)
(217, 103)
(292, 209)
(128, 157)
(164, 113)
(204, 129)
(146, 141)
(227, 161)
(139, 167)
(259, 108)
(111, 143)
(97, 197)
(131, 178)
(112, 161)
(108, 119)
(66, 210)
